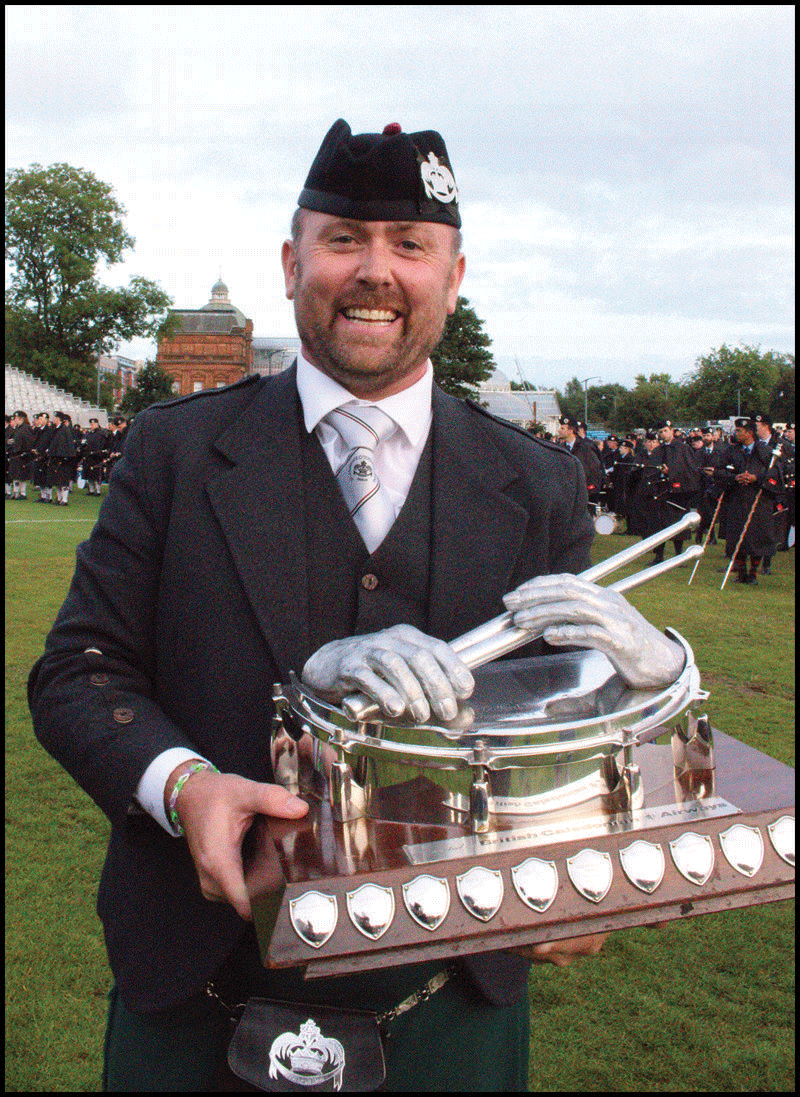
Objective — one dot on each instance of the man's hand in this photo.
(216, 811)
(562, 953)
(566, 609)
(401, 668)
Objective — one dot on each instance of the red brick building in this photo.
(212, 346)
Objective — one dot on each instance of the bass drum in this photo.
(606, 522)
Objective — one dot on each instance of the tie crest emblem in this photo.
(362, 470)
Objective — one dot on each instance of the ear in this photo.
(456, 278)
(289, 261)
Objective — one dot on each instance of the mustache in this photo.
(371, 301)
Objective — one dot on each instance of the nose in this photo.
(374, 266)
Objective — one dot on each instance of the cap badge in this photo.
(438, 180)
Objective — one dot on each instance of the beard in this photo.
(359, 359)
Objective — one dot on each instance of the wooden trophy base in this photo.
(334, 898)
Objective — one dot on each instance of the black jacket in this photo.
(193, 588)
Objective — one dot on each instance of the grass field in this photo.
(705, 1004)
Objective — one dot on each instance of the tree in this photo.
(729, 380)
(61, 222)
(571, 399)
(463, 359)
(781, 404)
(152, 384)
(644, 406)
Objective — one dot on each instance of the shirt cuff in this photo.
(150, 790)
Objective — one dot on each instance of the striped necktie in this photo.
(362, 429)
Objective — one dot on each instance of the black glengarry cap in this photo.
(389, 176)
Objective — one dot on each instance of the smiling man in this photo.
(371, 298)
(343, 520)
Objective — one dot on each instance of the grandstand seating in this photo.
(27, 393)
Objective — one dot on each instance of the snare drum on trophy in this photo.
(544, 810)
(537, 736)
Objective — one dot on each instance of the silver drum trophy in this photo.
(545, 810)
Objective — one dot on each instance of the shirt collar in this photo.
(319, 394)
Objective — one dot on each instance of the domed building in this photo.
(210, 346)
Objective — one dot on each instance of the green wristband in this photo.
(184, 777)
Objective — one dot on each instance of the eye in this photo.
(410, 245)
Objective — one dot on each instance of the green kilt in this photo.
(453, 1042)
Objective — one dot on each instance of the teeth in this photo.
(369, 314)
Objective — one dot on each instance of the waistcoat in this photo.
(350, 591)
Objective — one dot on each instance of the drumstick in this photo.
(599, 571)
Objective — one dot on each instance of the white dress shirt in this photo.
(396, 462)
(397, 458)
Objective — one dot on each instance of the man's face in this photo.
(743, 436)
(371, 297)
(565, 432)
(666, 434)
(789, 435)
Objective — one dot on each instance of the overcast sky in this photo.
(625, 173)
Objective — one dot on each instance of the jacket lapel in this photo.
(259, 505)
(478, 530)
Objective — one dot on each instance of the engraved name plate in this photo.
(314, 916)
(643, 864)
(591, 872)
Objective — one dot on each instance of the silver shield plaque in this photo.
(371, 909)
(314, 916)
(743, 848)
(536, 883)
(591, 872)
(427, 900)
(693, 855)
(643, 864)
(781, 834)
(481, 891)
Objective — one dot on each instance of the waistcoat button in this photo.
(369, 581)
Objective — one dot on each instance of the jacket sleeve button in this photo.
(123, 715)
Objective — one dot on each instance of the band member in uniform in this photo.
(754, 471)
(586, 454)
(645, 485)
(44, 431)
(94, 454)
(787, 448)
(619, 474)
(61, 456)
(681, 471)
(713, 458)
(773, 441)
(115, 443)
(228, 554)
(21, 454)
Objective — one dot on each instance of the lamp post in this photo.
(585, 383)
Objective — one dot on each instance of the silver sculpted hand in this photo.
(401, 668)
(568, 610)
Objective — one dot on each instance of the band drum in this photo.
(537, 736)
(605, 522)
